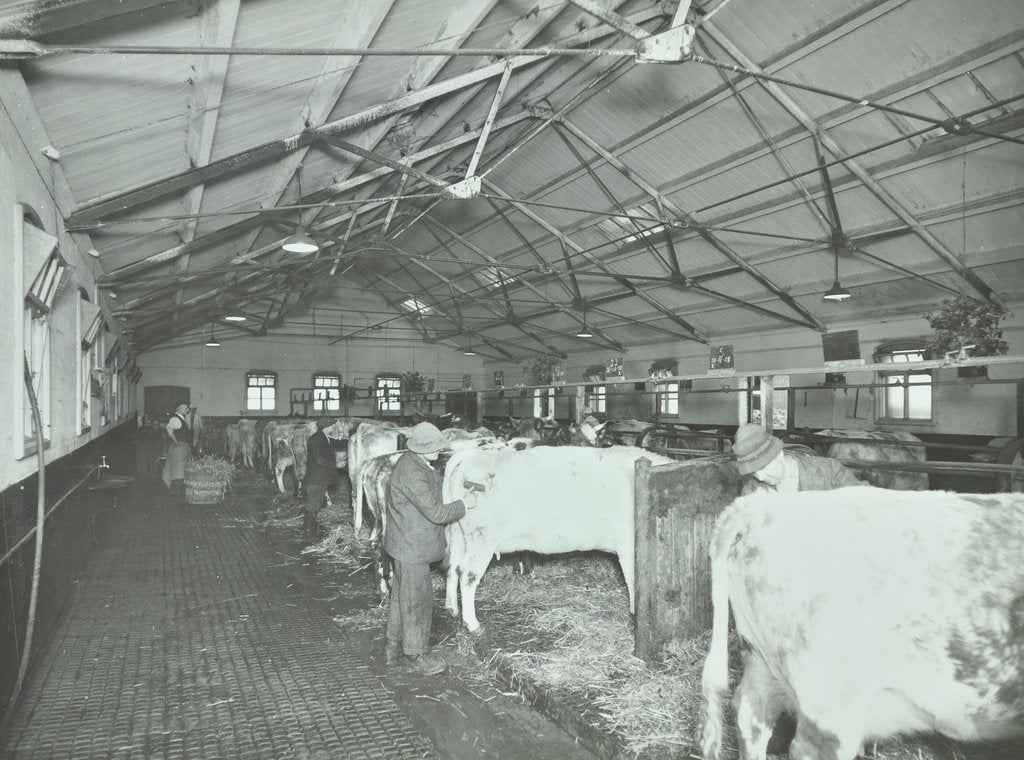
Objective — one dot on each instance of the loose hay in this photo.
(567, 629)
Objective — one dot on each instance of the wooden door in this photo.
(160, 400)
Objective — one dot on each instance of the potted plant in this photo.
(413, 382)
(207, 479)
(541, 368)
(965, 321)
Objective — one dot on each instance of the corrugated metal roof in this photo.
(121, 122)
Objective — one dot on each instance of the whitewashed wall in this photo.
(970, 409)
(216, 376)
(23, 182)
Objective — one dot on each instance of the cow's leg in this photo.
(758, 702)
(279, 469)
(456, 556)
(627, 561)
(472, 570)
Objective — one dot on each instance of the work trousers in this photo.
(410, 608)
(316, 498)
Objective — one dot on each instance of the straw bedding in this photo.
(566, 629)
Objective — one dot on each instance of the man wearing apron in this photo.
(178, 451)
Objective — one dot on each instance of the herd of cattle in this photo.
(866, 612)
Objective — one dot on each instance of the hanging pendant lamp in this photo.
(837, 292)
(300, 242)
(212, 342)
(584, 331)
(469, 351)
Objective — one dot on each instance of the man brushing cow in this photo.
(414, 538)
(765, 466)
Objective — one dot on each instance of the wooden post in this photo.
(676, 507)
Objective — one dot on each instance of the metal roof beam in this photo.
(567, 311)
(881, 193)
(692, 333)
(710, 238)
(39, 18)
(128, 199)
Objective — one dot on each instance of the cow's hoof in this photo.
(478, 632)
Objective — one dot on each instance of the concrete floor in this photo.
(195, 633)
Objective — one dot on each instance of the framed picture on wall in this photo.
(499, 379)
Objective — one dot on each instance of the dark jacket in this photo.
(415, 513)
(816, 474)
(320, 461)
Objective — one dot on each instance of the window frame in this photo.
(543, 401)
(909, 381)
(386, 403)
(328, 402)
(256, 374)
(39, 291)
(666, 399)
(595, 397)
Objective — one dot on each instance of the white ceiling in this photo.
(667, 199)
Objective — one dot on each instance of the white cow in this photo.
(547, 500)
(868, 613)
(248, 441)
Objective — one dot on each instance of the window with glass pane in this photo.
(542, 401)
(326, 392)
(908, 395)
(668, 398)
(260, 391)
(595, 398)
(387, 390)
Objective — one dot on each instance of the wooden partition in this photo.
(676, 506)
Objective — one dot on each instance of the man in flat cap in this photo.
(766, 466)
(414, 538)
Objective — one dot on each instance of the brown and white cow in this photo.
(249, 442)
(232, 442)
(286, 444)
(547, 500)
(899, 480)
(375, 475)
(868, 613)
(371, 441)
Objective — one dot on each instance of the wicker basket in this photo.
(207, 479)
(205, 491)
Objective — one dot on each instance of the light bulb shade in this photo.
(300, 242)
(836, 293)
(213, 342)
(584, 332)
(234, 318)
(469, 352)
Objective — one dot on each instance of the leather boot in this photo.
(392, 652)
(309, 529)
(428, 664)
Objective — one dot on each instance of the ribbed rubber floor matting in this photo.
(183, 641)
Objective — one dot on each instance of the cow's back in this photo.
(899, 480)
(908, 601)
(551, 499)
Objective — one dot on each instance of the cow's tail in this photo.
(715, 679)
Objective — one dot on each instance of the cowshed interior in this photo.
(673, 216)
